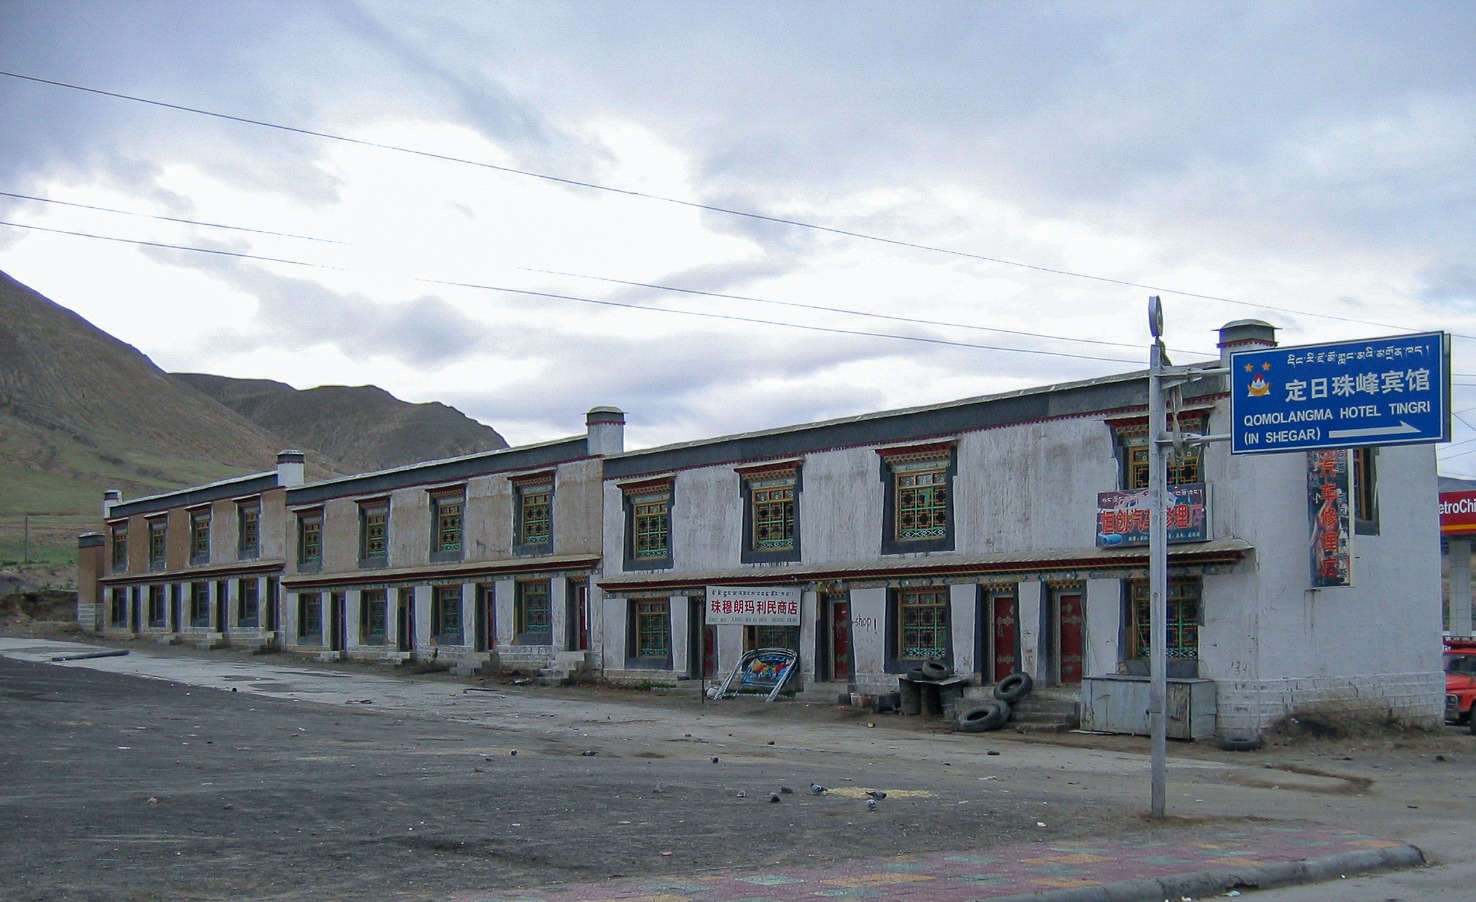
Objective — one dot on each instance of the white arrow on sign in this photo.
(1402, 429)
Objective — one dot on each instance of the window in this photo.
(446, 525)
(652, 528)
(249, 591)
(770, 636)
(770, 514)
(1183, 623)
(919, 499)
(1134, 440)
(651, 631)
(531, 619)
(310, 617)
(446, 614)
(374, 534)
(534, 505)
(922, 623)
(119, 614)
(199, 604)
(199, 537)
(156, 606)
(248, 530)
(1365, 492)
(310, 540)
(373, 617)
(119, 535)
(158, 547)
(647, 524)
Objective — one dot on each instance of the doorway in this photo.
(405, 620)
(338, 622)
(1069, 634)
(838, 638)
(1003, 607)
(222, 606)
(576, 617)
(482, 631)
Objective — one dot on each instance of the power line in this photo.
(166, 246)
(213, 225)
(652, 286)
(841, 310)
(584, 300)
(696, 205)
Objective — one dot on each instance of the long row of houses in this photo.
(999, 534)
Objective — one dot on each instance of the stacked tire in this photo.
(994, 714)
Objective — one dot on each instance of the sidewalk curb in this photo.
(1210, 884)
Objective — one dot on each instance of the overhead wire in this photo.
(163, 218)
(691, 204)
(584, 300)
(610, 280)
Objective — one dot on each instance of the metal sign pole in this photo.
(1157, 564)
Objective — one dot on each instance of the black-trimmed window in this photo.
(118, 535)
(1133, 441)
(373, 616)
(157, 615)
(447, 520)
(650, 633)
(648, 531)
(532, 613)
(158, 543)
(919, 627)
(918, 513)
(770, 514)
(1365, 492)
(446, 619)
(118, 617)
(248, 530)
(533, 514)
(1185, 615)
(374, 533)
(248, 590)
(310, 617)
(200, 537)
(310, 540)
(199, 604)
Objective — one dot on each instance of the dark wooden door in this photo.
(1070, 637)
(840, 641)
(1005, 637)
(338, 622)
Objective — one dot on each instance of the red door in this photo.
(1069, 637)
(1005, 622)
(840, 641)
(709, 651)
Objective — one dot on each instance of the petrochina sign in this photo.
(1457, 512)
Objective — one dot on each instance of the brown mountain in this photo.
(364, 427)
(81, 412)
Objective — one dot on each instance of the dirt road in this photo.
(318, 782)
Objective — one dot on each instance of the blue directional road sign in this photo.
(1384, 391)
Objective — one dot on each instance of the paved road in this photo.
(146, 776)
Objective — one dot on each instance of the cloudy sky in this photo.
(730, 216)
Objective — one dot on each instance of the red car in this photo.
(1460, 679)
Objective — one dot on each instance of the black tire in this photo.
(916, 675)
(985, 717)
(935, 670)
(1472, 721)
(1013, 687)
(1240, 745)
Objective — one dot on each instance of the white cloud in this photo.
(1284, 156)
